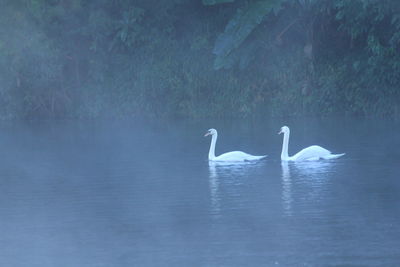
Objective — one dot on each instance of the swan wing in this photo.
(312, 153)
(333, 156)
(237, 156)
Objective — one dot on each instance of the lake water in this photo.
(143, 194)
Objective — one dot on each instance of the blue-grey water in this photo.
(135, 193)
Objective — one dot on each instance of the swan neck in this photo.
(211, 153)
(285, 145)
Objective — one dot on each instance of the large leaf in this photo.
(240, 27)
(215, 2)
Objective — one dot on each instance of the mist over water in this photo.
(131, 193)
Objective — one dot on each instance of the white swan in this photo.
(234, 156)
(308, 153)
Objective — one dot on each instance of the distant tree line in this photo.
(199, 58)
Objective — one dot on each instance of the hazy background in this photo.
(193, 58)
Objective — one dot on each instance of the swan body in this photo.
(308, 153)
(234, 156)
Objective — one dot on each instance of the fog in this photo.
(103, 110)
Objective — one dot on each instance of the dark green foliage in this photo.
(198, 58)
(214, 2)
(239, 28)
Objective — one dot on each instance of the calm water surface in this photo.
(143, 194)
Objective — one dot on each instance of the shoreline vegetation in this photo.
(193, 59)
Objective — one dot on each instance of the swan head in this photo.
(211, 132)
(284, 130)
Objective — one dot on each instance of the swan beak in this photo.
(207, 134)
(280, 132)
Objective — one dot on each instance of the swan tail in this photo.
(333, 156)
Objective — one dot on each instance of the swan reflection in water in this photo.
(312, 174)
(286, 188)
(225, 173)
